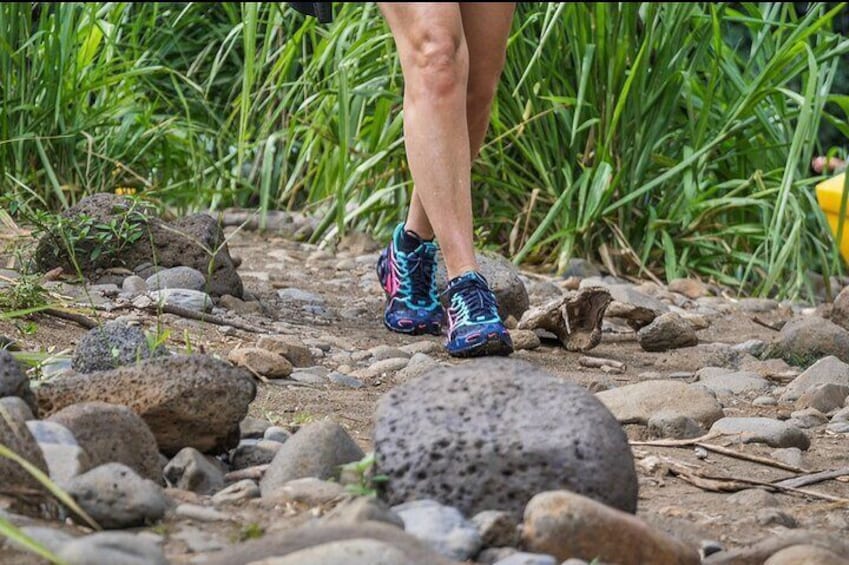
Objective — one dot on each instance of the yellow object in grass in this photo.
(829, 195)
(125, 191)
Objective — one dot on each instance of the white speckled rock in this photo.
(443, 528)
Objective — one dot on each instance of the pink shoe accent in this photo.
(392, 283)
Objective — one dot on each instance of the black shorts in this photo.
(321, 10)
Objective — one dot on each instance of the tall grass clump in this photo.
(660, 139)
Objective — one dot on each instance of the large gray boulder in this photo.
(195, 241)
(110, 346)
(186, 400)
(491, 433)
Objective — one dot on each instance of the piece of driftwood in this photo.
(813, 478)
(600, 363)
(574, 318)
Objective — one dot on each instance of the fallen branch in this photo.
(699, 442)
(753, 458)
(774, 327)
(718, 483)
(256, 472)
(277, 382)
(78, 319)
(291, 382)
(677, 442)
(203, 317)
(813, 478)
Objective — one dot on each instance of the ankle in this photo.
(422, 233)
(409, 240)
(462, 271)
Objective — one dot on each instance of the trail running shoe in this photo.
(409, 280)
(474, 327)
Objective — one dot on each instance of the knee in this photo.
(439, 64)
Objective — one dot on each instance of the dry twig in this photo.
(79, 319)
(699, 442)
(719, 483)
(203, 317)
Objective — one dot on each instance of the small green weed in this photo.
(27, 328)
(21, 294)
(366, 483)
(159, 529)
(301, 418)
(250, 531)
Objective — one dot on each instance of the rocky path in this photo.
(716, 395)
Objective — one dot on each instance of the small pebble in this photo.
(276, 433)
(200, 513)
(345, 380)
(765, 401)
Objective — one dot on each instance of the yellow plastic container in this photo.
(829, 194)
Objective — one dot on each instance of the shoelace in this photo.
(420, 266)
(476, 299)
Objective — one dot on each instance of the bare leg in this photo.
(485, 27)
(435, 62)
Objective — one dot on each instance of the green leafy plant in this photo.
(25, 293)
(85, 239)
(366, 483)
(27, 328)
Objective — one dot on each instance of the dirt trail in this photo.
(351, 320)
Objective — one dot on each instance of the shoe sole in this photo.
(420, 329)
(495, 345)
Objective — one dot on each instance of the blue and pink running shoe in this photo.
(409, 280)
(474, 326)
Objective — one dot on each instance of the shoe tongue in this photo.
(466, 280)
